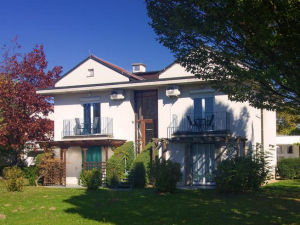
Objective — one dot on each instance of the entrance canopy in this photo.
(87, 143)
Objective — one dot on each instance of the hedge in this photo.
(289, 168)
(115, 166)
(241, 174)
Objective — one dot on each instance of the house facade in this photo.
(98, 106)
(288, 147)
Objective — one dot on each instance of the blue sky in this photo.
(114, 30)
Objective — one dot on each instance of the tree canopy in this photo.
(23, 112)
(287, 124)
(248, 49)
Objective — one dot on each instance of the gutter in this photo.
(123, 85)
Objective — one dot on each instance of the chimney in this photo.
(138, 67)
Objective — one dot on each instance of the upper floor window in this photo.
(90, 73)
(290, 149)
(203, 107)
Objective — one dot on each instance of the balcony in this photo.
(210, 123)
(76, 127)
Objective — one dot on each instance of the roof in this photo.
(107, 64)
(116, 68)
(150, 75)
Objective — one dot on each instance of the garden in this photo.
(276, 203)
(152, 197)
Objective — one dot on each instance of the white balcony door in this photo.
(203, 107)
(91, 118)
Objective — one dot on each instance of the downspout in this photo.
(262, 129)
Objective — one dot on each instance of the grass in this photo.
(277, 203)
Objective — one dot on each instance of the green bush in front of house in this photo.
(92, 179)
(120, 162)
(166, 174)
(31, 173)
(289, 168)
(241, 174)
(145, 158)
(14, 178)
(138, 175)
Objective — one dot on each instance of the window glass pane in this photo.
(87, 118)
(209, 105)
(197, 108)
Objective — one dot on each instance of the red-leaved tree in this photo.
(23, 113)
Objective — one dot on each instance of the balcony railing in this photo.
(76, 127)
(189, 124)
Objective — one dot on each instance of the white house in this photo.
(98, 106)
(287, 147)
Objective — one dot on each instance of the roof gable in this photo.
(175, 70)
(104, 72)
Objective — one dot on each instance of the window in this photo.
(91, 73)
(91, 118)
(136, 68)
(203, 107)
(290, 149)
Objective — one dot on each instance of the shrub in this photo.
(116, 165)
(31, 173)
(289, 168)
(144, 157)
(114, 180)
(138, 175)
(114, 170)
(91, 179)
(39, 158)
(241, 174)
(14, 180)
(166, 174)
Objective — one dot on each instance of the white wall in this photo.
(245, 120)
(175, 71)
(73, 165)
(122, 112)
(102, 75)
(283, 143)
(282, 151)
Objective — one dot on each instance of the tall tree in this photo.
(287, 124)
(23, 112)
(248, 49)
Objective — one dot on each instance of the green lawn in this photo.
(277, 203)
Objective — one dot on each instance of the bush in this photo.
(39, 158)
(241, 174)
(92, 179)
(31, 173)
(116, 165)
(145, 159)
(138, 175)
(166, 174)
(289, 168)
(14, 180)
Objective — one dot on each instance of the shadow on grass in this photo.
(188, 207)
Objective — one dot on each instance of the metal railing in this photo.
(191, 124)
(76, 127)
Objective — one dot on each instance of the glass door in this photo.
(203, 163)
(93, 157)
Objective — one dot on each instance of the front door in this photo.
(203, 163)
(146, 116)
